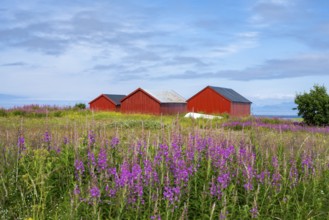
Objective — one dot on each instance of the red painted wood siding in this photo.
(102, 104)
(240, 109)
(173, 108)
(210, 102)
(140, 102)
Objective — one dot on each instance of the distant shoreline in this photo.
(278, 116)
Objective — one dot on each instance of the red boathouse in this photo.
(146, 102)
(218, 100)
(106, 102)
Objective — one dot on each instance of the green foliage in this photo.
(3, 112)
(80, 106)
(313, 107)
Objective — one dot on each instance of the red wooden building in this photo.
(142, 101)
(106, 102)
(217, 100)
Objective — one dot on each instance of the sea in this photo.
(288, 117)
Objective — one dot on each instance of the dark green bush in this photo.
(3, 112)
(80, 106)
(313, 107)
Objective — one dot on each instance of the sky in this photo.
(63, 52)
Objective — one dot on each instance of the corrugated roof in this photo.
(169, 96)
(230, 94)
(115, 98)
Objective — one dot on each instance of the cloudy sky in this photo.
(60, 51)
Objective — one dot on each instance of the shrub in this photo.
(80, 106)
(313, 107)
(3, 112)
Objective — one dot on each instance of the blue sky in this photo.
(62, 52)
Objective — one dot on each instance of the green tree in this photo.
(313, 107)
(80, 106)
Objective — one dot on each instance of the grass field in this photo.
(77, 164)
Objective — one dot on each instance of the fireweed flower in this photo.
(171, 193)
(223, 215)
(21, 144)
(47, 137)
(95, 192)
(181, 172)
(293, 173)
(148, 171)
(76, 190)
(57, 149)
(112, 192)
(156, 217)
(91, 139)
(275, 162)
(79, 169)
(254, 211)
(122, 179)
(102, 159)
(276, 180)
(66, 140)
(112, 171)
(91, 159)
(307, 161)
(115, 142)
(263, 176)
(249, 175)
(224, 180)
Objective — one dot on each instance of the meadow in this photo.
(76, 164)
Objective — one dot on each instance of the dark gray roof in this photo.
(230, 94)
(115, 98)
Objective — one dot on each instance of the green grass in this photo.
(38, 182)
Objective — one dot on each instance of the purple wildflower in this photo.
(122, 179)
(91, 138)
(261, 177)
(21, 144)
(76, 190)
(102, 159)
(293, 174)
(79, 169)
(91, 159)
(275, 162)
(147, 171)
(276, 180)
(95, 192)
(248, 186)
(223, 215)
(112, 192)
(156, 217)
(254, 212)
(66, 140)
(115, 142)
(47, 137)
(224, 180)
(58, 149)
(307, 162)
(168, 194)
(112, 171)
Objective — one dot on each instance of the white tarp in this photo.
(198, 115)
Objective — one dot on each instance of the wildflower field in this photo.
(83, 165)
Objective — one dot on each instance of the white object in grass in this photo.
(198, 115)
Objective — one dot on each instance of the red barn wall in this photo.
(210, 102)
(102, 104)
(140, 102)
(240, 109)
(173, 108)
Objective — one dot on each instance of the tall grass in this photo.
(108, 166)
